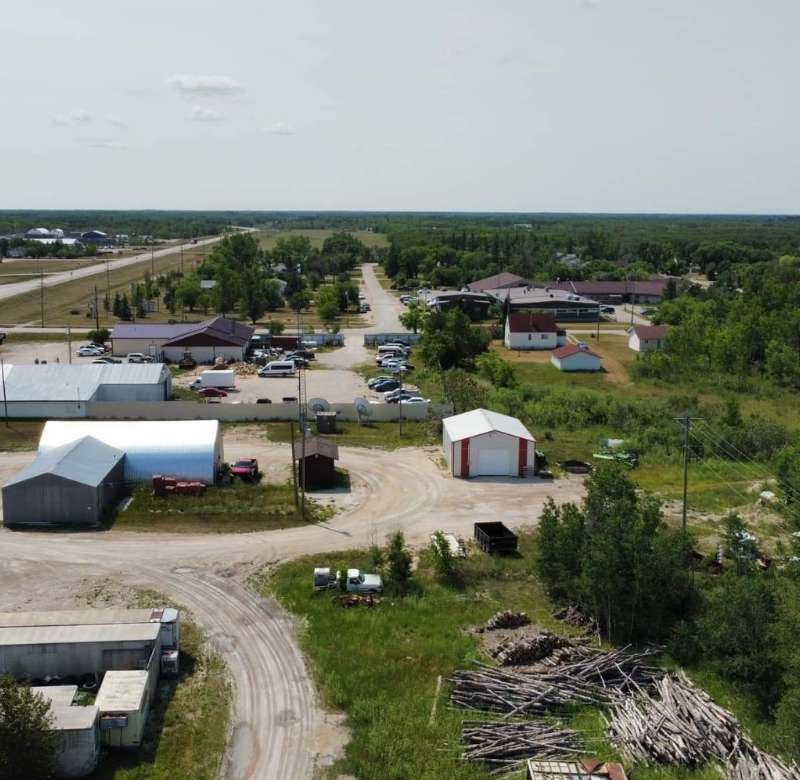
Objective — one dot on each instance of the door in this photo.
(496, 462)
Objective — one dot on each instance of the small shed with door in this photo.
(576, 357)
(76, 483)
(320, 456)
(482, 443)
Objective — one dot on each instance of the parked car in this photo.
(377, 379)
(89, 350)
(607, 310)
(139, 357)
(278, 368)
(403, 398)
(308, 354)
(246, 469)
(384, 387)
(263, 401)
(394, 395)
(300, 362)
(416, 400)
(357, 582)
(212, 392)
(107, 359)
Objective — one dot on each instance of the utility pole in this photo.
(152, 261)
(69, 343)
(5, 400)
(294, 466)
(597, 337)
(41, 295)
(108, 283)
(686, 421)
(96, 311)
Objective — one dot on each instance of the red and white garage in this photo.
(481, 443)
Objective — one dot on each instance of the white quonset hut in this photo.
(188, 449)
(62, 390)
(481, 443)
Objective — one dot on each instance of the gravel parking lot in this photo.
(51, 351)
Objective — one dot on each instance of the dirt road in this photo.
(279, 730)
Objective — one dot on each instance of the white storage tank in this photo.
(188, 449)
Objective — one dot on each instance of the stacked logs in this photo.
(507, 619)
(526, 650)
(681, 724)
(504, 746)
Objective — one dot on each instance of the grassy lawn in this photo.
(381, 435)
(187, 729)
(19, 434)
(236, 508)
(22, 337)
(383, 665)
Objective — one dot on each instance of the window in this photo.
(529, 337)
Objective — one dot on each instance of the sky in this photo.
(446, 105)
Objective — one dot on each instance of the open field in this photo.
(19, 270)
(61, 300)
(267, 238)
(383, 435)
(19, 435)
(382, 668)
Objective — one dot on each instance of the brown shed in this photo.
(320, 461)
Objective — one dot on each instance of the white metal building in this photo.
(62, 390)
(483, 443)
(79, 746)
(189, 449)
(644, 338)
(576, 357)
(124, 703)
(528, 330)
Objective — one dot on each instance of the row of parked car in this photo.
(393, 392)
(98, 351)
(286, 363)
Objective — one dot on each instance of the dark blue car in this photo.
(385, 386)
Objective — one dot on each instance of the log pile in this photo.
(573, 616)
(505, 746)
(681, 724)
(507, 619)
(600, 679)
(526, 649)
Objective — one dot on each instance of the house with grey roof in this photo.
(203, 341)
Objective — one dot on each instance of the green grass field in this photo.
(383, 665)
(19, 435)
(238, 507)
(381, 435)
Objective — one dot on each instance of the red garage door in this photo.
(465, 457)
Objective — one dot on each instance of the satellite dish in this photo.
(362, 407)
(319, 405)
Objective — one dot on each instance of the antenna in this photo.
(362, 408)
(318, 405)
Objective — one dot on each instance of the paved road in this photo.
(54, 279)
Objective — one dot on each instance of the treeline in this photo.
(454, 253)
(745, 326)
(36, 249)
(616, 559)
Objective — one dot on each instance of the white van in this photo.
(278, 368)
(390, 350)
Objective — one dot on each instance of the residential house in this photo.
(528, 330)
(645, 338)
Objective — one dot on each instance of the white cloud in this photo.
(205, 85)
(80, 117)
(111, 145)
(60, 120)
(200, 114)
(280, 128)
(115, 120)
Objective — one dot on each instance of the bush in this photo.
(399, 561)
(99, 336)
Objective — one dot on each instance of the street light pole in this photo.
(5, 400)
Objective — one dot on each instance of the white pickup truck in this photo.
(363, 583)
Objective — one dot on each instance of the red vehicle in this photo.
(246, 469)
(213, 392)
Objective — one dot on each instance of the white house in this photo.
(576, 357)
(527, 330)
(481, 443)
(644, 338)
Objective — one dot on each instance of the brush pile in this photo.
(680, 724)
(573, 616)
(505, 746)
(507, 619)
(526, 649)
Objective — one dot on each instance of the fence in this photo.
(231, 412)
(376, 339)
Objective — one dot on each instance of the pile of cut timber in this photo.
(681, 724)
(505, 746)
(526, 649)
(573, 616)
(507, 619)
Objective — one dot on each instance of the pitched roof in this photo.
(530, 322)
(217, 327)
(650, 331)
(316, 445)
(596, 287)
(568, 350)
(504, 279)
(478, 421)
(85, 460)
